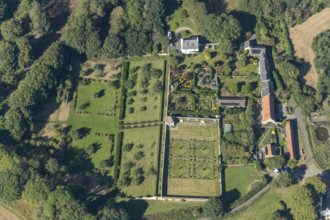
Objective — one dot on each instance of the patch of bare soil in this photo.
(302, 37)
(230, 4)
(47, 130)
(7, 215)
(111, 68)
(64, 111)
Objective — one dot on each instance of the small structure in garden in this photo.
(189, 45)
(170, 121)
(232, 102)
(228, 128)
(290, 140)
(270, 151)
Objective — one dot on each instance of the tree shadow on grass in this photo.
(135, 208)
(78, 160)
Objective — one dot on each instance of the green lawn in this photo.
(153, 102)
(176, 20)
(240, 178)
(248, 70)
(102, 105)
(149, 138)
(263, 207)
(139, 208)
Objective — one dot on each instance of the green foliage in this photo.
(257, 165)
(109, 212)
(302, 205)
(36, 190)
(10, 187)
(275, 162)
(233, 88)
(316, 184)
(113, 47)
(128, 147)
(207, 54)
(283, 180)
(52, 166)
(139, 155)
(213, 207)
(15, 123)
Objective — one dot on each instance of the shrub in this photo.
(144, 99)
(151, 171)
(213, 208)
(143, 92)
(132, 93)
(138, 181)
(143, 108)
(140, 146)
(207, 54)
(130, 101)
(156, 73)
(89, 149)
(131, 110)
(283, 180)
(128, 147)
(139, 155)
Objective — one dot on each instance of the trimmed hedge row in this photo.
(122, 105)
(185, 113)
(259, 186)
(118, 155)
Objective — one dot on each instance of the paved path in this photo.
(173, 199)
(180, 29)
(312, 169)
(260, 193)
(5, 214)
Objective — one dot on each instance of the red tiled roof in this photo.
(268, 111)
(290, 140)
(169, 119)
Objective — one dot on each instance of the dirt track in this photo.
(7, 215)
(302, 37)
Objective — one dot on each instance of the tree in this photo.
(10, 187)
(246, 88)
(110, 212)
(52, 166)
(36, 190)
(128, 147)
(233, 88)
(302, 205)
(283, 180)
(275, 162)
(207, 54)
(317, 185)
(213, 207)
(157, 87)
(15, 123)
(114, 84)
(113, 47)
(139, 155)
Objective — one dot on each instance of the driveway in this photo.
(312, 169)
(180, 29)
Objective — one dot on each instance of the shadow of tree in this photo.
(136, 208)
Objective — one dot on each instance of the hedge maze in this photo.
(192, 159)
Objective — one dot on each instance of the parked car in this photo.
(282, 170)
(288, 169)
(169, 34)
(290, 109)
(276, 172)
(286, 110)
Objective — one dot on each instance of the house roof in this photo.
(268, 111)
(263, 68)
(190, 43)
(290, 139)
(232, 102)
(270, 151)
(267, 88)
(169, 119)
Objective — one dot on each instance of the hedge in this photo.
(118, 155)
(185, 113)
(122, 105)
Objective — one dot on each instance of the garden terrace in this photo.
(193, 159)
(144, 86)
(139, 161)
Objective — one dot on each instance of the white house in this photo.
(189, 45)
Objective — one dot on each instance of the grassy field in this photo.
(192, 187)
(139, 208)
(240, 178)
(149, 138)
(153, 102)
(103, 104)
(249, 69)
(193, 160)
(263, 207)
(187, 132)
(226, 82)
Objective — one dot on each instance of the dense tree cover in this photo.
(135, 27)
(213, 207)
(322, 50)
(283, 180)
(302, 205)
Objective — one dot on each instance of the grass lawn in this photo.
(139, 208)
(263, 207)
(149, 138)
(193, 187)
(226, 82)
(248, 69)
(103, 104)
(178, 21)
(240, 178)
(198, 132)
(153, 102)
